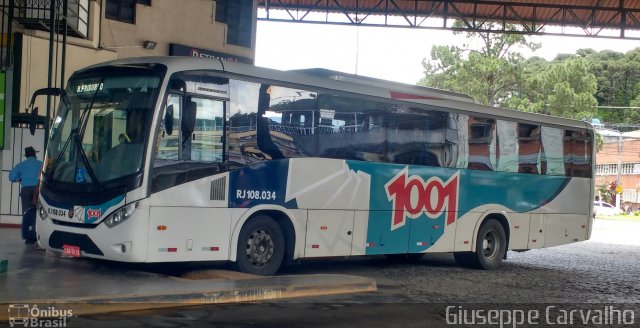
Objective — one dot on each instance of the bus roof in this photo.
(396, 86)
(363, 86)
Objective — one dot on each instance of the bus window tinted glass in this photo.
(291, 117)
(351, 128)
(507, 146)
(243, 122)
(529, 148)
(482, 143)
(578, 153)
(552, 151)
(416, 136)
(206, 138)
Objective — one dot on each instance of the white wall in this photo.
(10, 207)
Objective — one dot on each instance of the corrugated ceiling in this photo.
(532, 15)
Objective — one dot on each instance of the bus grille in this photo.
(60, 238)
(218, 187)
(74, 224)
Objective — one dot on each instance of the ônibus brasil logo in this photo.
(411, 197)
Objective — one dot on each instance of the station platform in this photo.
(88, 286)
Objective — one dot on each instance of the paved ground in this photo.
(85, 286)
(604, 271)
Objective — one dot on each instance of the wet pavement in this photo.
(93, 286)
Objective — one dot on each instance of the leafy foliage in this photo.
(572, 85)
(487, 68)
(563, 88)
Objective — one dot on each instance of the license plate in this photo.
(71, 250)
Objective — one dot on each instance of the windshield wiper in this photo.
(78, 144)
(55, 163)
(85, 160)
(76, 134)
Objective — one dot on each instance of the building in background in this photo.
(97, 31)
(619, 161)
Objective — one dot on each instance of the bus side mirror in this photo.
(33, 121)
(168, 120)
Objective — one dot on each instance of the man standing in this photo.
(27, 173)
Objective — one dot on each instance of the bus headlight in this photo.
(120, 215)
(42, 213)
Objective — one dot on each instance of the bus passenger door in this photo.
(190, 143)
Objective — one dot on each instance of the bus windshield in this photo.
(99, 134)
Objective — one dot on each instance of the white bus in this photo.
(182, 159)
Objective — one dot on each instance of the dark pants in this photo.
(27, 196)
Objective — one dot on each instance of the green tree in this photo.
(617, 75)
(635, 102)
(562, 88)
(489, 71)
(599, 142)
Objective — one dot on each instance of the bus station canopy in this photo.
(600, 18)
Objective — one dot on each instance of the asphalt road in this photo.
(597, 275)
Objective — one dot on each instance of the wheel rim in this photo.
(260, 247)
(491, 244)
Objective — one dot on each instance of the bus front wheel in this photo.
(261, 246)
(491, 244)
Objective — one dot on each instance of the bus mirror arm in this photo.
(44, 92)
(33, 121)
(49, 92)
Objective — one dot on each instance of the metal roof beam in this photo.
(532, 17)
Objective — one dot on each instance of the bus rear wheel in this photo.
(491, 245)
(261, 246)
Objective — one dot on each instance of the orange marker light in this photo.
(162, 227)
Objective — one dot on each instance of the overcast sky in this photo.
(388, 53)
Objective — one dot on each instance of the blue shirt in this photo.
(26, 172)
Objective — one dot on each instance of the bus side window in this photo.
(416, 136)
(529, 148)
(168, 143)
(507, 146)
(482, 154)
(577, 153)
(552, 151)
(203, 131)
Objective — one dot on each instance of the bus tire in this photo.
(491, 244)
(261, 246)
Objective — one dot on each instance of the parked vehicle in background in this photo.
(602, 208)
